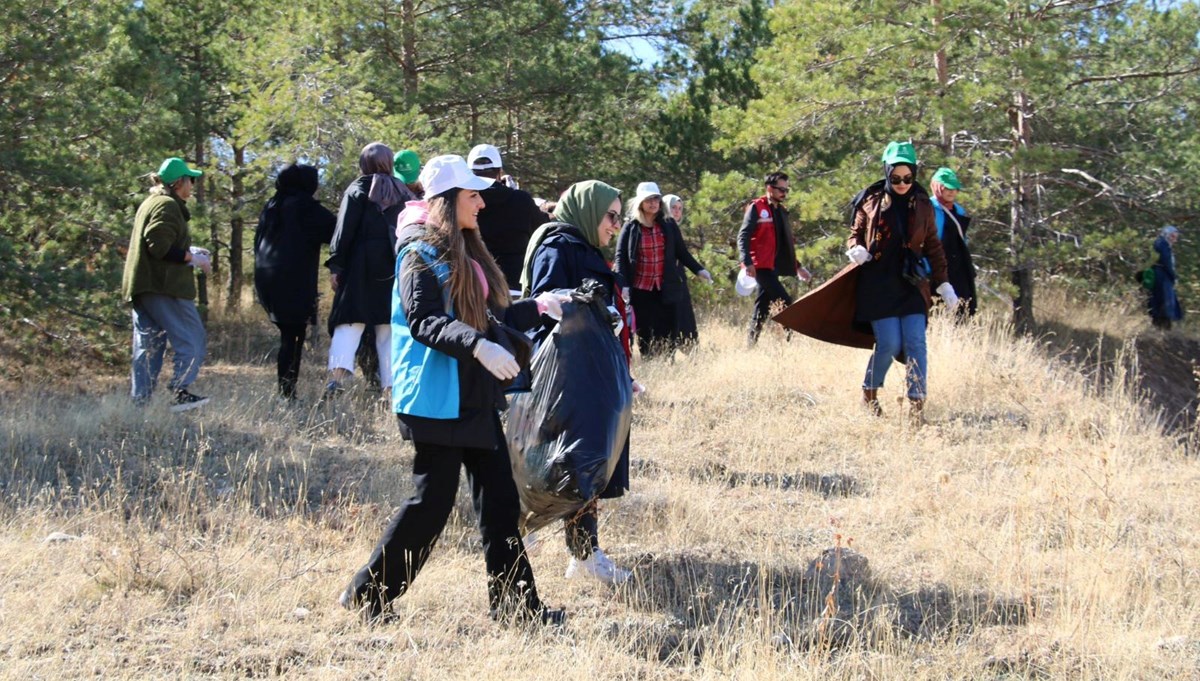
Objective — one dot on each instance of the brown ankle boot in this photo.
(871, 400)
(916, 411)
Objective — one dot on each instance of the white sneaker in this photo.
(600, 566)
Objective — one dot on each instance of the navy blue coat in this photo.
(562, 261)
(1164, 304)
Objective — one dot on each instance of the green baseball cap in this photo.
(406, 166)
(900, 152)
(947, 178)
(174, 168)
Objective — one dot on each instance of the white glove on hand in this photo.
(946, 291)
(705, 276)
(498, 361)
(201, 260)
(625, 294)
(550, 304)
(638, 389)
(858, 255)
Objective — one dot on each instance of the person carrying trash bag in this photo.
(893, 230)
(563, 255)
(450, 363)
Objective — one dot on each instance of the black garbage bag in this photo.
(566, 434)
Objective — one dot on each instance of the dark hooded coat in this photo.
(363, 253)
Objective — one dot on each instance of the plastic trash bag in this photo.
(567, 433)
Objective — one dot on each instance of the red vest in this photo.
(762, 238)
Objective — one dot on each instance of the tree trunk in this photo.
(201, 277)
(943, 76)
(1020, 215)
(408, 39)
(237, 227)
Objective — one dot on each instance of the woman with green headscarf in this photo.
(561, 255)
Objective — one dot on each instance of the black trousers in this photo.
(655, 320)
(770, 291)
(582, 534)
(413, 532)
(291, 347)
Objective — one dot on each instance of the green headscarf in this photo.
(584, 205)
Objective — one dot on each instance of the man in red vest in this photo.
(768, 250)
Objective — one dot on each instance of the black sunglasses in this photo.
(783, 190)
(907, 179)
(614, 216)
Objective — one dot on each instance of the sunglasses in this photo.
(907, 179)
(782, 190)
(614, 216)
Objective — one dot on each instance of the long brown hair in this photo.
(458, 247)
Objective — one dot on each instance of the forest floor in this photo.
(1043, 524)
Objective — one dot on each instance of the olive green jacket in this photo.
(157, 248)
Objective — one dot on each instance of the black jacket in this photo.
(506, 222)
(287, 248)
(675, 254)
(363, 252)
(480, 393)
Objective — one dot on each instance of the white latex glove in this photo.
(946, 291)
(638, 389)
(201, 260)
(625, 294)
(498, 361)
(550, 304)
(705, 276)
(197, 249)
(858, 255)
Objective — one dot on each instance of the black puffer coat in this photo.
(287, 247)
(363, 254)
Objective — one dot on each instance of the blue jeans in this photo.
(158, 319)
(893, 335)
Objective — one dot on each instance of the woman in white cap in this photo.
(451, 360)
(650, 258)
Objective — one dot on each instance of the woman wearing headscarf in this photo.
(686, 330)
(1164, 303)
(362, 265)
(952, 222)
(893, 230)
(650, 258)
(450, 360)
(287, 251)
(561, 255)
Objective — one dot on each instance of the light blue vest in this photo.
(424, 381)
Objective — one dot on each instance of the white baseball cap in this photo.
(483, 157)
(746, 284)
(449, 171)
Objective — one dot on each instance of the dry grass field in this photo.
(1036, 527)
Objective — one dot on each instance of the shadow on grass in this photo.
(833, 603)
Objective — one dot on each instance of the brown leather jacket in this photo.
(922, 234)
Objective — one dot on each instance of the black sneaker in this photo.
(184, 400)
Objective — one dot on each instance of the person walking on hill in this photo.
(768, 250)
(562, 254)
(952, 222)
(450, 358)
(893, 230)
(686, 326)
(509, 216)
(287, 251)
(362, 265)
(159, 284)
(650, 258)
(1164, 303)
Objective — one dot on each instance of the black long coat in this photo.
(509, 217)
(287, 247)
(363, 253)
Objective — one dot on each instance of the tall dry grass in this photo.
(1038, 526)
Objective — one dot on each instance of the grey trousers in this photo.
(157, 320)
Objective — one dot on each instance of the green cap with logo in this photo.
(900, 152)
(406, 166)
(174, 168)
(947, 178)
